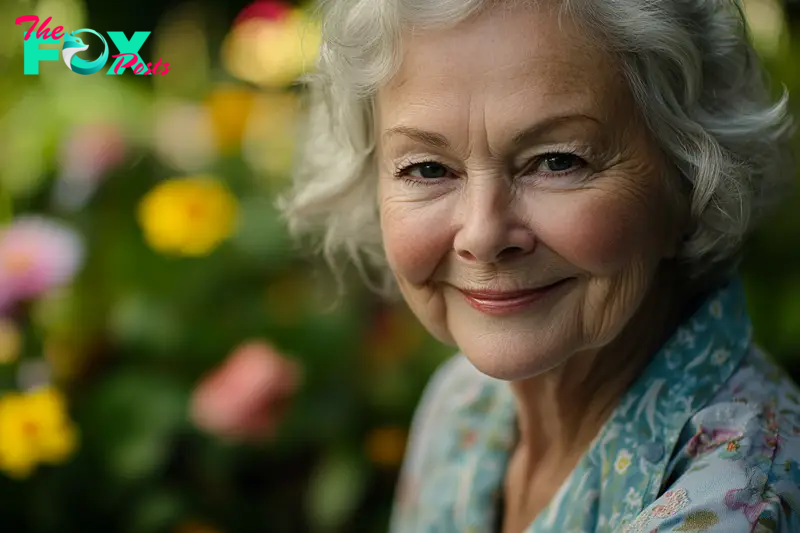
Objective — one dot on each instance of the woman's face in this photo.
(511, 158)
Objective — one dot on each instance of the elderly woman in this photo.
(561, 190)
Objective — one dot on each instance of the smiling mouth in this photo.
(499, 303)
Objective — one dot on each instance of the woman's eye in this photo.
(428, 170)
(560, 163)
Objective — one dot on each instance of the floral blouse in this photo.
(706, 440)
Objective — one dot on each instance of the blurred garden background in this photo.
(140, 251)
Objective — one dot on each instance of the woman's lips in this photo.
(505, 303)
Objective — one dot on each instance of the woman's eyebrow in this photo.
(531, 133)
(436, 140)
(522, 137)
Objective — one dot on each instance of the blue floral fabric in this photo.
(706, 440)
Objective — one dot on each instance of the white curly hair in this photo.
(691, 68)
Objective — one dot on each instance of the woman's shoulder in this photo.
(759, 404)
(737, 463)
(767, 388)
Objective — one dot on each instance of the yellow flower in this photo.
(17, 457)
(623, 462)
(10, 341)
(59, 436)
(34, 428)
(188, 216)
(273, 53)
(386, 445)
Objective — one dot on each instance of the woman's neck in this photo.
(560, 412)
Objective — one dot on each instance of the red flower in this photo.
(264, 9)
(244, 398)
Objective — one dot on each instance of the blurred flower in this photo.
(264, 9)
(87, 153)
(244, 398)
(36, 255)
(183, 135)
(187, 216)
(229, 109)
(271, 132)
(34, 428)
(386, 445)
(10, 341)
(271, 45)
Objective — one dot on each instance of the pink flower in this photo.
(244, 398)
(36, 255)
(707, 439)
(6, 298)
(673, 501)
(751, 504)
(751, 499)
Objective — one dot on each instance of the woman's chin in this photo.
(512, 365)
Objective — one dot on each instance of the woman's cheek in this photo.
(598, 234)
(415, 239)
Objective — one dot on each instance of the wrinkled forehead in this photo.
(505, 62)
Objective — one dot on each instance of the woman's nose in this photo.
(491, 229)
